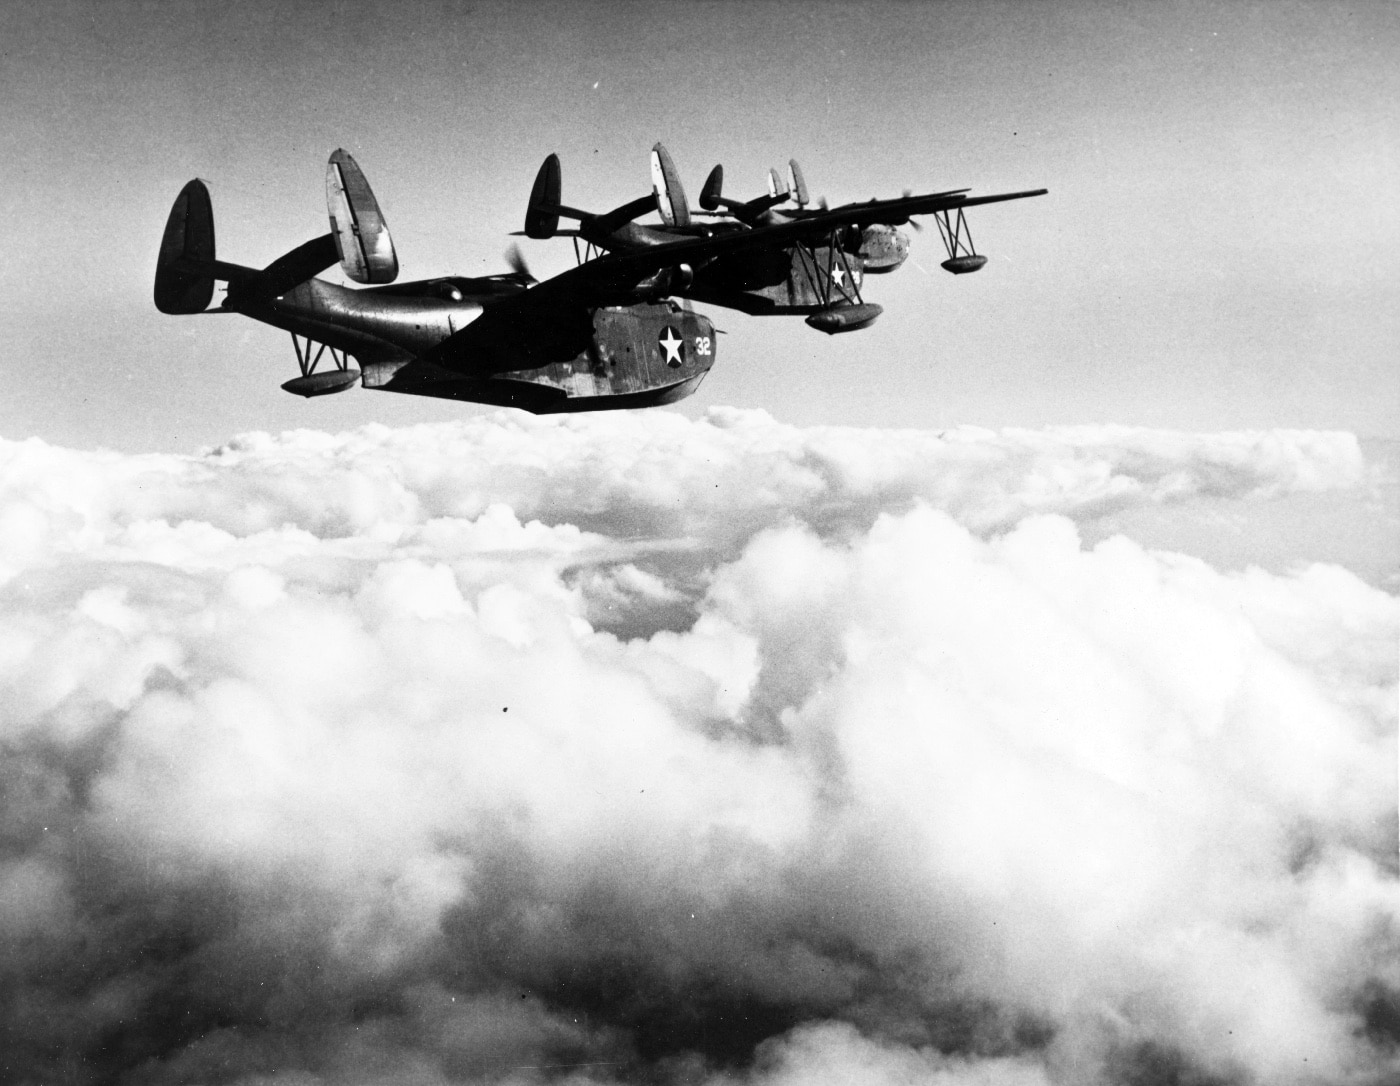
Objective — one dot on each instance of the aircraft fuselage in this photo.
(612, 357)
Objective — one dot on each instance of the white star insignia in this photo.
(671, 344)
(839, 274)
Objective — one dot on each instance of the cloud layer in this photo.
(634, 748)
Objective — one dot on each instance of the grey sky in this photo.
(1219, 249)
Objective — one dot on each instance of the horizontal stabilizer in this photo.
(603, 225)
(298, 266)
(284, 273)
(183, 280)
(357, 225)
(217, 269)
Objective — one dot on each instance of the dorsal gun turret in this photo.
(361, 234)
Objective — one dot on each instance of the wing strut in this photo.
(312, 383)
(957, 239)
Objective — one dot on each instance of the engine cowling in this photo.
(883, 248)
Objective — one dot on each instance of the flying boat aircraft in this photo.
(883, 247)
(810, 264)
(603, 336)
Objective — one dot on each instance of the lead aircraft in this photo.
(605, 334)
(597, 337)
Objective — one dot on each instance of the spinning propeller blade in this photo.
(516, 259)
(915, 223)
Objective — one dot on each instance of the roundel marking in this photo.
(672, 347)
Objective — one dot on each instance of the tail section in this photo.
(296, 267)
(712, 196)
(544, 210)
(187, 266)
(184, 268)
(357, 225)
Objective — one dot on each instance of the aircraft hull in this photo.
(631, 356)
(795, 281)
(542, 397)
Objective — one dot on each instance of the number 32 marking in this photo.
(702, 345)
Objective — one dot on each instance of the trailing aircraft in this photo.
(810, 262)
(883, 247)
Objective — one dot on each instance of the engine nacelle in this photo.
(667, 281)
(883, 248)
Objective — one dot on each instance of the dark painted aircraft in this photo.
(811, 263)
(606, 335)
(883, 247)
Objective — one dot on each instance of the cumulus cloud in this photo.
(714, 752)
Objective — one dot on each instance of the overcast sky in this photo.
(1218, 250)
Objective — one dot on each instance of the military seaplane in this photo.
(608, 333)
(808, 262)
(883, 247)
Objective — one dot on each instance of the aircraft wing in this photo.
(809, 227)
(551, 321)
(896, 212)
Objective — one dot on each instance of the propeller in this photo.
(516, 259)
(915, 223)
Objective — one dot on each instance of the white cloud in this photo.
(706, 750)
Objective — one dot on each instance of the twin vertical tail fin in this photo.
(797, 182)
(184, 268)
(187, 267)
(671, 203)
(712, 192)
(542, 212)
(357, 225)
